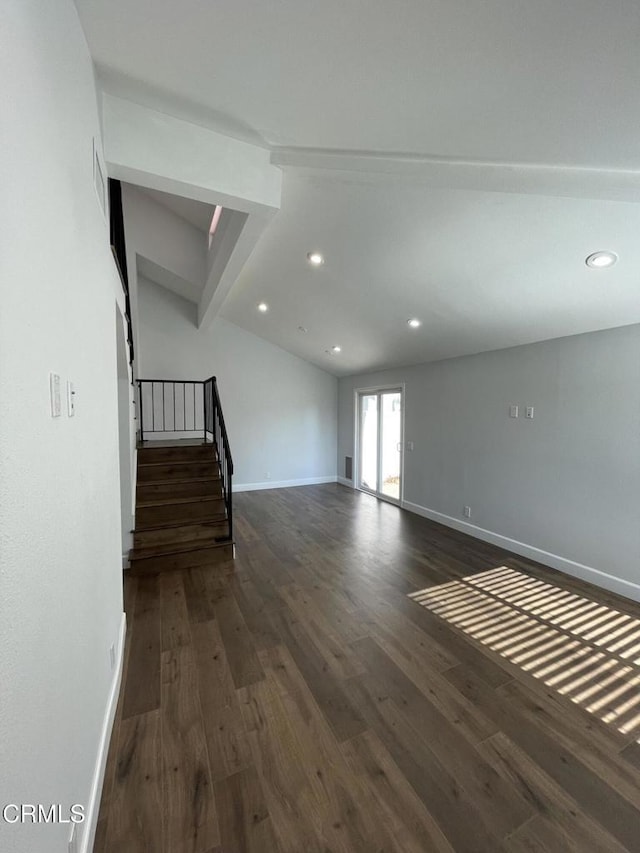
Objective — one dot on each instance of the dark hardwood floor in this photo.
(309, 703)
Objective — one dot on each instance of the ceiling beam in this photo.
(484, 176)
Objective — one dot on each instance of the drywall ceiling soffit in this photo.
(196, 213)
(125, 87)
(162, 152)
(169, 280)
(193, 162)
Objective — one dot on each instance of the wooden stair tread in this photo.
(176, 548)
(173, 462)
(181, 519)
(162, 525)
(191, 499)
(216, 518)
(177, 481)
(164, 443)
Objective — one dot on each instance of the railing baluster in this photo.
(141, 410)
(212, 424)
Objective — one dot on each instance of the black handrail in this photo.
(119, 249)
(214, 425)
(175, 406)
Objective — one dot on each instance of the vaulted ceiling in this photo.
(453, 161)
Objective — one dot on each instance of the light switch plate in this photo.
(54, 391)
(513, 411)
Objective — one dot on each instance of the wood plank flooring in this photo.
(307, 703)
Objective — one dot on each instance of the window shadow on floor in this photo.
(584, 650)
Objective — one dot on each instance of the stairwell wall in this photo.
(280, 411)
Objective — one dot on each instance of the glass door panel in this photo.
(390, 444)
(368, 468)
(380, 443)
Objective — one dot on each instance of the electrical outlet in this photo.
(112, 655)
(467, 512)
(530, 413)
(267, 475)
(409, 445)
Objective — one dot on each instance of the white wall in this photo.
(566, 482)
(164, 237)
(280, 411)
(60, 574)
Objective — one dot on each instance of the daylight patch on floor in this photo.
(582, 649)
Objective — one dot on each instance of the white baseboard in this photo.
(344, 482)
(93, 804)
(562, 564)
(282, 484)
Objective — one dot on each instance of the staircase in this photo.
(183, 494)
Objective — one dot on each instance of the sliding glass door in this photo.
(380, 442)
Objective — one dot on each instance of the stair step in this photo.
(215, 518)
(173, 534)
(178, 501)
(151, 472)
(210, 478)
(199, 486)
(151, 462)
(217, 556)
(193, 451)
(182, 511)
(172, 548)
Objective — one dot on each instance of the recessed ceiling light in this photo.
(601, 260)
(263, 307)
(414, 322)
(336, 349)
(315, 259)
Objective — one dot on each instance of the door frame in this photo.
(375, 389)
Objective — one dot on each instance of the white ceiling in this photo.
(545, 83)
(482, 270)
